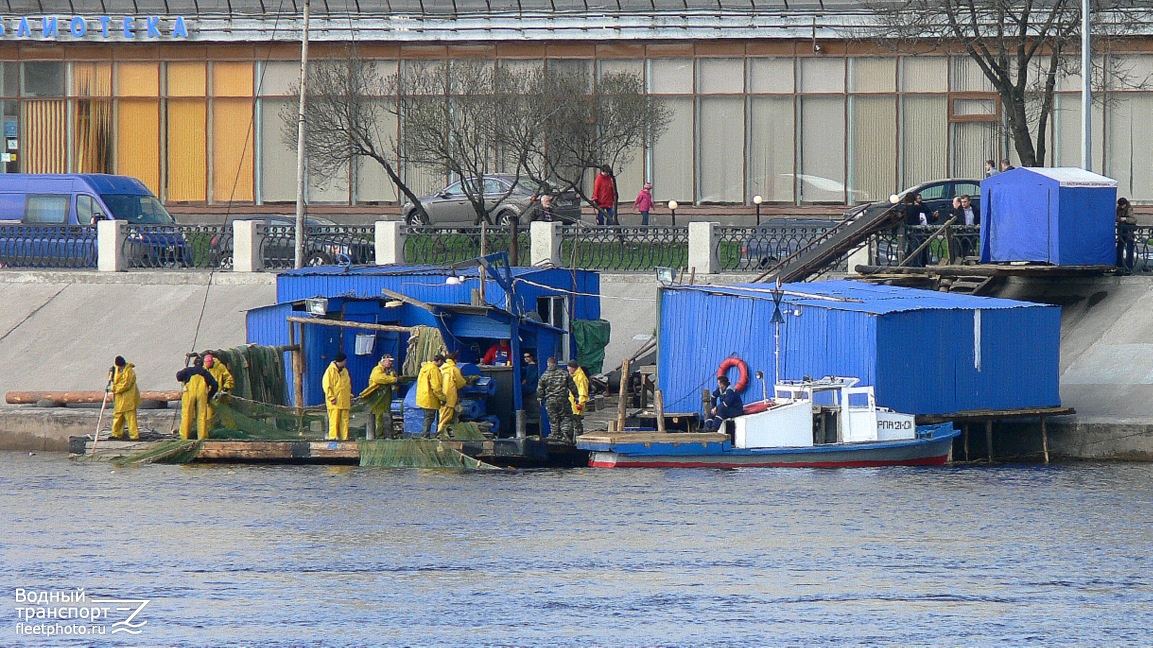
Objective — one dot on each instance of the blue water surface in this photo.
(349, 556)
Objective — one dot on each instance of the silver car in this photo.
(451, 207)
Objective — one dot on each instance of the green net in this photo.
(416, 453)
(172, 451)
(465, 431)
(258, 372)
(422, 345)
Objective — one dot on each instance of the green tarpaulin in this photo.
(592, 336)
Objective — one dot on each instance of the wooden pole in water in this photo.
(965, 439)
(1044, 440)
(659, 409)
(623, 395)
(989, 439)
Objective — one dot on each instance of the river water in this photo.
(349, 556)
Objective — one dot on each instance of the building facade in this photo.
(193, 97)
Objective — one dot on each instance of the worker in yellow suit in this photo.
(429, 395)
(338, 397)
(382, 380)
(451, 381)
(127, 396)
(581, 400)
(223, 378)
(199, 388)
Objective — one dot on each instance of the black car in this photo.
(937, 195)
(325, 243)
(451, 207)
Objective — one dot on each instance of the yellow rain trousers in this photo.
(338, 397)
(451, 381)
(194, 405)
(224, 382)
(127, 396)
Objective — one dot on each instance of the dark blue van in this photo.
(49, 221)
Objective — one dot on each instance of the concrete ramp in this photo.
(60, 330)
(1107, 351)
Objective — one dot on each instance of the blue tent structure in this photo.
(1062, 216)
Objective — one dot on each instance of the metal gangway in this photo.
(844, 237)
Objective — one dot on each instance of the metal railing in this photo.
(48, 246)
(889, 247)
(323, 245)
(446, 245)
(629, 249)
(178, 246)
(763, 246)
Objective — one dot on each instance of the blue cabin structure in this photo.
(521, 306)
(925, 352)
(1062, 216)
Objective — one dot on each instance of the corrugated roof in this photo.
(865, 298)
(397, 270)
(1072, 176)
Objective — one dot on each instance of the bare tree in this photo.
(468, 119)
(589, 127)
(348, 104)
(1021, 46)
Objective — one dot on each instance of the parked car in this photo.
(49, 219)
(938, 196)
(450, 206)
(324, 244)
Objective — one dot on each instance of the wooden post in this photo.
(659, 409)
(1044, 440)
(989, 439)
(965, 439)
(298, 374)
(623, 395)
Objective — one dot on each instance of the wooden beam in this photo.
(1044, 440)
(81, 397)
(623, 395)
(989, 439)
(411, 301)
(392, 328)
(659, 409)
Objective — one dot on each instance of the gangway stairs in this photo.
(844, 237)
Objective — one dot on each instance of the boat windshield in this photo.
(140, 210)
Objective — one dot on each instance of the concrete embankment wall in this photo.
(61, 330)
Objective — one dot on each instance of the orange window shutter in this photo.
(187, 152)
(138, 141)
(232, 150)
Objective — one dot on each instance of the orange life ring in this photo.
(742, 370)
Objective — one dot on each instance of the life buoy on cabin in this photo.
(742, 370)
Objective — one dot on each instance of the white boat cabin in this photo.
(804, 413)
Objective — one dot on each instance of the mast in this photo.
(300, 178)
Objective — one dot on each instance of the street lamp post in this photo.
(757, 200)
(673, 208)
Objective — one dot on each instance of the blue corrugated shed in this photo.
(427, 283)
(925, 352)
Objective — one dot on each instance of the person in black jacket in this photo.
(199, 387)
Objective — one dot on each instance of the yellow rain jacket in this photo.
(380, 379)
(429, 394)
(451, 382)
(582, 383)
(337, 387)
(124, 387)
(223, 376)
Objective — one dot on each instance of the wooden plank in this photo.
(79, 397)
(659, 409)
(411, 301)
(979, 416)
(343, 324)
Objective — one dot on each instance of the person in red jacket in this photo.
(605, 196)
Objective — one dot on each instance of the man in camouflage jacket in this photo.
(553, 389)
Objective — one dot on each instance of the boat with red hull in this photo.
(826, 423)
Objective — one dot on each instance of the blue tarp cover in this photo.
(1063, 216)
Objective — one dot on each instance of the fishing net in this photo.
(172, 451)
(426, 342)
(416, 453)
(257, 410)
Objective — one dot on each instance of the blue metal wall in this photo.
(921, 359)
